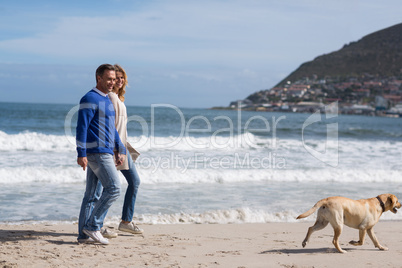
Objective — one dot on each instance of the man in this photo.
(97, 142)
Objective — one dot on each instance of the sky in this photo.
(194, 54)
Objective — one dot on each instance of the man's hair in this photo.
(102, 68)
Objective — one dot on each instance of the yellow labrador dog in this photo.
(360, 214)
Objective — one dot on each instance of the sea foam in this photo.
(35, 157)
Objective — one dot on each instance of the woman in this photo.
(127, 168)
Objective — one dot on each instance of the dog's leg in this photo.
(318, 225)
(374, 239)
(335, 241)
(362, 235)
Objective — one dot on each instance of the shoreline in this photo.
(259, 109)
(197, 245)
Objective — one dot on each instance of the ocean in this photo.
(201, 166)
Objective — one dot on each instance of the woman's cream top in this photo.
(121, 126)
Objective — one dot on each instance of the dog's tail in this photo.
(313, 209)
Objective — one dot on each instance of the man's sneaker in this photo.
(97, 236)
(107, 233)
(85, 240)
(88, 240)
(130, 228)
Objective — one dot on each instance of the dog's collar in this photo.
(381, 203)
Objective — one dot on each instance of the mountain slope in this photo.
(378, 54)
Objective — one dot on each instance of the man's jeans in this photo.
(133, 181)
(101, 167)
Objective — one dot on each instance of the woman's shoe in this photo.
(130, 228)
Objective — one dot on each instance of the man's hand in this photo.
(83, 162)
(119, 158)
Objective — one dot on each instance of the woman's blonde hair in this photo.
(122, 90)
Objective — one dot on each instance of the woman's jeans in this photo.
(133, 181)
(101, 174)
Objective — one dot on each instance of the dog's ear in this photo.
(391, 200)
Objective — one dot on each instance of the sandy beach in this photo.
(197, 245)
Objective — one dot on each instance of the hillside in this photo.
(363, 77)
(377, 54)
